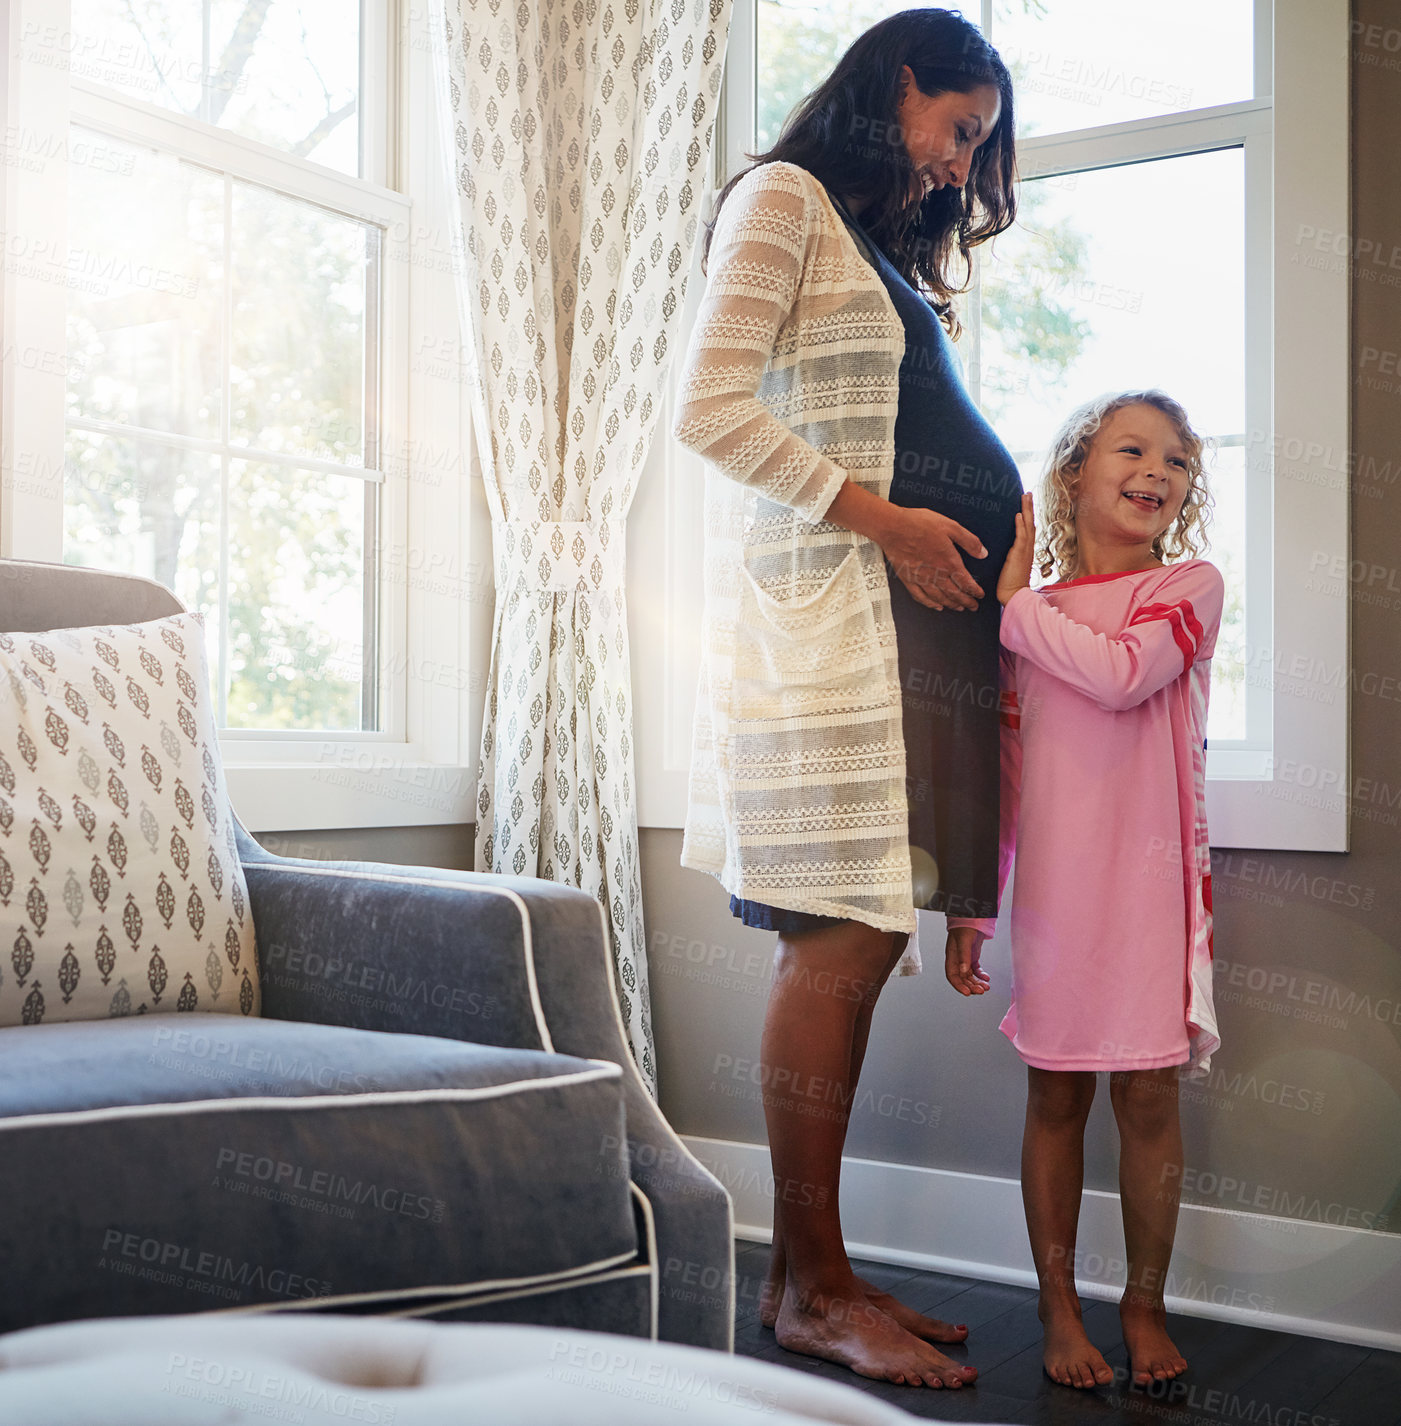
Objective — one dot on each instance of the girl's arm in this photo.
(1162, 641)
(756, 267)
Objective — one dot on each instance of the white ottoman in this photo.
(329, 1371)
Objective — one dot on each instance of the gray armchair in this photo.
(434, 1116)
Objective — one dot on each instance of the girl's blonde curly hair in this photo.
(1058, 550)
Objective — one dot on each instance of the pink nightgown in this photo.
(1105, 684)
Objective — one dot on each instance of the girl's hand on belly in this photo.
(1016, 571)
(923, 549)
(962, 962)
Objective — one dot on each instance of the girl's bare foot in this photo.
(843, 1326)
(1152, 1355)
(930, 1329)
(1069, 1356)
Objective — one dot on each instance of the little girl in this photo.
(1105, 682)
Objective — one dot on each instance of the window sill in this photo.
(371, 789)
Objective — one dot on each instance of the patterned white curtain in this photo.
(581, 131)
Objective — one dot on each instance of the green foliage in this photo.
(1031, 336)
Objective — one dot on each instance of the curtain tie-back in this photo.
(573, 556)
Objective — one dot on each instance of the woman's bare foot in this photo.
(1152, 1355)
(929, 1329)
(1069, 1356)
(843, 1326)
(771, 1294)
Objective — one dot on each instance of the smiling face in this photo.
(1132, 484)
(941, 132)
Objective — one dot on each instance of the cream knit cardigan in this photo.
(797, 786)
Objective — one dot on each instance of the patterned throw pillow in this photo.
(121, 892)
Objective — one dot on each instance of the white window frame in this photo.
(1291, 791)
(435, 580)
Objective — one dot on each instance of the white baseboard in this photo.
(1290, 1275)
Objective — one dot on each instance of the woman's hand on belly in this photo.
(923, 549)
(921, 545)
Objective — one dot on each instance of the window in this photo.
(223, 343)
(1177, 166)
(229, 253)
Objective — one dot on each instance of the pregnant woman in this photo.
(822, 389)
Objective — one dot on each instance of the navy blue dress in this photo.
(947, 459)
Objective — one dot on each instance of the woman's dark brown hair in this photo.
(847, 135)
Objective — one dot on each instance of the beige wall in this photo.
(1304, 1114)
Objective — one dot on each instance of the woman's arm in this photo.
(1009, 793)
(756, 267)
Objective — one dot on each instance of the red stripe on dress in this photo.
(1206, 901)
(1177, 616)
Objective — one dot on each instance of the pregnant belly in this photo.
(975, 482)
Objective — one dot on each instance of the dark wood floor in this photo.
(1237, 1374)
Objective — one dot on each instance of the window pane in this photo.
(146, 508)
(297, 81)
(285, 72)
(147, 348)
(1078, 63)
(296, 587)
(144, 304)
(299, 277)
(147, 49)
(800, 43)
(1099, 287)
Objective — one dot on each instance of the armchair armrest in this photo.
(409, 949)
(497, 960)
